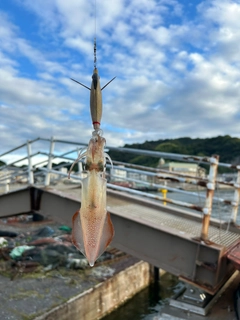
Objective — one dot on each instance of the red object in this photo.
(42, 241)
(233, 254)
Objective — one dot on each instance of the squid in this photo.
(92, 228)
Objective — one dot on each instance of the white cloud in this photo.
(177, 70)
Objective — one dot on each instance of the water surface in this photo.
(147, 304)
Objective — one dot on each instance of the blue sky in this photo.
(177, 65)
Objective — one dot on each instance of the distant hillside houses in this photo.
(192, 169)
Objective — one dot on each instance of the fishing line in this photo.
(95, 35)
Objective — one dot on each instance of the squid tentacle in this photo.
(109, 158)
(82, 154)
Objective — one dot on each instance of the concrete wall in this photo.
(98, 301)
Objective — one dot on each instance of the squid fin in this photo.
(105, 238)
(107, 235)
(77, 237)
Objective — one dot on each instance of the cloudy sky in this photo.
(177, 65)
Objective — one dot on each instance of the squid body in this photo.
(92, 226)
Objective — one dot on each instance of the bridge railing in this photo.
(43, 165)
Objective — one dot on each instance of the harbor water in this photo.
(220, 211)
(147, 304)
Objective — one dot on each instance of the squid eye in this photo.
(87, 166)
(100, 166)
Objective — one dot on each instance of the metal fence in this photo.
(40, 173)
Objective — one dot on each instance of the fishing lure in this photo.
(95, 98)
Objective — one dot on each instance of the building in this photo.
(192, 169)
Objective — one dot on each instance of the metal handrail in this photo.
(158, 154)
(209, 182)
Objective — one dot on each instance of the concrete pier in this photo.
(98, 301)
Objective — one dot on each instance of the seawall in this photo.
(103, 298)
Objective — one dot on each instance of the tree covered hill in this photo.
(228, 148)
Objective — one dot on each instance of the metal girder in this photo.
(59, 207)
(202, 264)
(15, 202)
(33, 199)
(192, 261)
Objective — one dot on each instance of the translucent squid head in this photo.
(95, 156)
